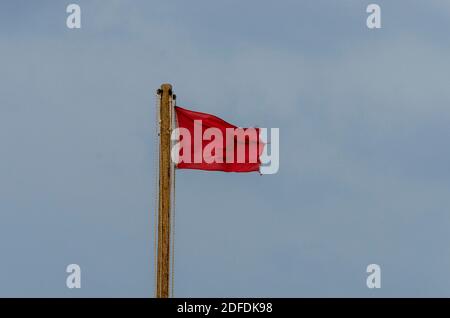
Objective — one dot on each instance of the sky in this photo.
(364, 123)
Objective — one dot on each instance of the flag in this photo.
(206, 142)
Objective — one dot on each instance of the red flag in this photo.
(209, 143)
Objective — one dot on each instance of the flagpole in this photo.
(163, 253)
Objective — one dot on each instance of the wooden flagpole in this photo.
(163, 253)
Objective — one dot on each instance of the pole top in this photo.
(166, 87)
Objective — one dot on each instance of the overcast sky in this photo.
(364, 118)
